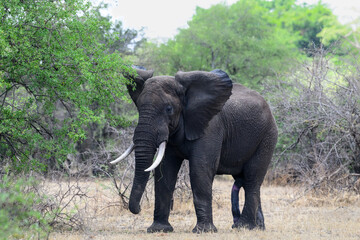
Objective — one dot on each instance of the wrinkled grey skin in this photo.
(218, 126)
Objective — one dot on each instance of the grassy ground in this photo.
(288, 215)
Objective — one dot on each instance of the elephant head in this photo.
(182, 105)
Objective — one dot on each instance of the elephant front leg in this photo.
(165, 180)
(202, 192)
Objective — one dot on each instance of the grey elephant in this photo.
(218, 126)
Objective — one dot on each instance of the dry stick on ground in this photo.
(61, 206)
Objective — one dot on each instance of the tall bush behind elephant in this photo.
(243, 39)
(218, 126)
(318, 106)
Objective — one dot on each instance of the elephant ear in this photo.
(139, 79)
(205, 96)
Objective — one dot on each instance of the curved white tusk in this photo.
(159, 157)
(125, 154)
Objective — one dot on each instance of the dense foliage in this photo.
(251, 40)
(56, 77)
(304, 22)
(19, 217)
(317, 109)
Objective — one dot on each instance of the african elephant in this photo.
(218, 126)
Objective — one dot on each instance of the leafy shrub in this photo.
(19, 218)
(318, 114)
(56, 77)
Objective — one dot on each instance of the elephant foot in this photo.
(204, 227)
(160, 227)
(242, 223)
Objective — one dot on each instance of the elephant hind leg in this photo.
(235, 200)
(243, 221)
(253, 175)
(260, 222)
(251, 216)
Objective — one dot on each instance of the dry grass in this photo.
(288, 215)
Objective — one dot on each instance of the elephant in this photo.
(220, 127)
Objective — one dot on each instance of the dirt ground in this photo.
(288, 212)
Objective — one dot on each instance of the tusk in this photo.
(159, 157)
(125, 154)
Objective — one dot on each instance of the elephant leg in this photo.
(260, 221)
(253, 175)
(249, 217)
(241, 222)
(201, 185)
(165, 180)
(252, 216)
(235, 200)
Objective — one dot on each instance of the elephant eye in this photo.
(169, 109)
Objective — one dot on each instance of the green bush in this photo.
(56, 78)
(19, 218)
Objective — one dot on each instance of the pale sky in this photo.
(162, 18)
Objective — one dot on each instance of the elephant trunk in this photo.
(144, 157)
(149, 134)
(145, 149)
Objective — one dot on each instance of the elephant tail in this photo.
(235, 199)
